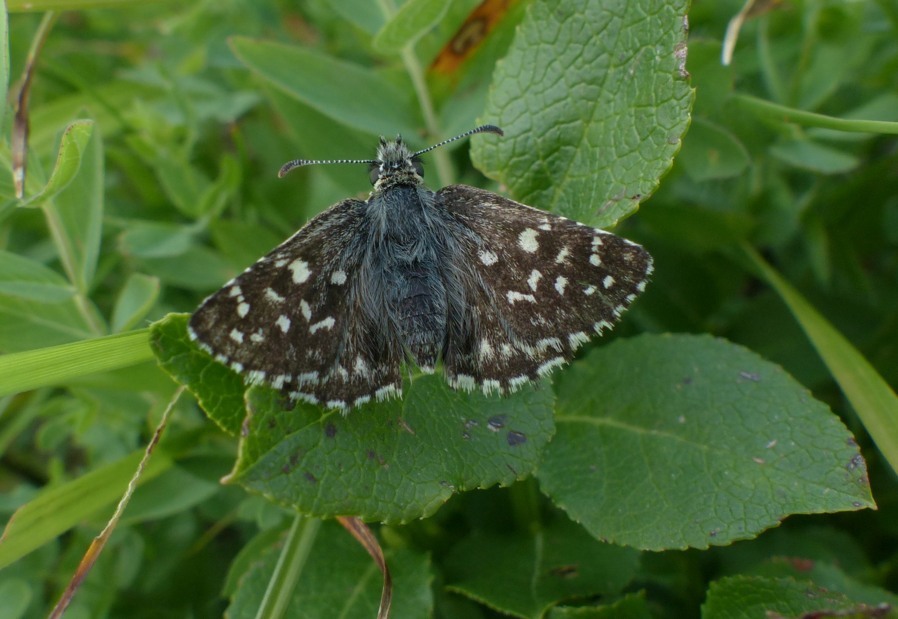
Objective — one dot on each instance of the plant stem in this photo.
(445, 173)
(286, 573)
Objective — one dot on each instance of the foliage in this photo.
(671, 471)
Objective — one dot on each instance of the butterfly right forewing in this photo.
(541, 286)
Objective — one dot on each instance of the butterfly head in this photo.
(395, 165)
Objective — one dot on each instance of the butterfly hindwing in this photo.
(290, 320)
(544, 286)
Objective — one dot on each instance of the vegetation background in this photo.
(667, 474)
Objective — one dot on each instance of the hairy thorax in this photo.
(408, 249)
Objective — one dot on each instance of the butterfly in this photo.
(495, 292)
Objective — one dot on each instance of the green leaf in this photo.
(712, 152)
(72, 146)
(632, 606)
(391, 461)
(27, 324)
(24, 278)
(871, 397)
(340, 580)
(687, 441)
(135, 300)
(75, 216)
(59, 508)
(815, 157)
(412, 21)
(362, 13)
(310, 77)
(218, 389)
(152, 239)
(742, 597)
(525, 575)
(827, 575)
(592, 114)
(56, 365)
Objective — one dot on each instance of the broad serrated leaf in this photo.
(687, 441)
(391, 461)
(747, 597)
(340, 580)
(311, 77)
(411, 22)
(594, 101)
(26, 279)
(525, 575)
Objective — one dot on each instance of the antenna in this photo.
(301, 162)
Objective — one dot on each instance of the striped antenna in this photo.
(480, 129)
(301, 162)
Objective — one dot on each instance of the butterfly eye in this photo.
(374, 172)
(418, 167)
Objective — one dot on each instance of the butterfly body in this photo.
(498, 292)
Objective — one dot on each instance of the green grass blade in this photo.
(60, 508)
(57, 364)
(874, 401)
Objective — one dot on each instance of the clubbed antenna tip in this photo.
(301, 162)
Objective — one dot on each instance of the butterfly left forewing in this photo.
(544, 286)
(291, 319)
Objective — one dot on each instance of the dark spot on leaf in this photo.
(856, 462)
(752, 376)
(310, 478)
(565, 571)
(851, 442)
(496, 422)
(686, 381)
(272, 424)
(371, 454)
(713, 532)
(244, 427)
(515, 438)
(291, 462)
(466, 436)
(471, 423)
(330, 430)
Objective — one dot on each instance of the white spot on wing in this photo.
(595, 260)
(271, 295)
(549, 365)
(562, 255)
(300, 270)
(327, 323)
(242, 309)
(283, 322)
(517, 296)
(577, 339)
(305, 309)
(527, 240)
(464, 382)
(534, 278)
(338, 277)
(236, 335)
(589, 290)
(560, 283)
(608, 282)
(487, 257)
(235, 291)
